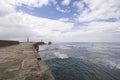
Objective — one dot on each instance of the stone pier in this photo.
(19, 62)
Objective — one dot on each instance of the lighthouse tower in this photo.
(27, 39)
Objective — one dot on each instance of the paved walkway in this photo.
(19, 62)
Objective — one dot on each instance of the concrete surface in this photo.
(19, 62)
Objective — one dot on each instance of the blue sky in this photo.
(50, 10)
(61, 20)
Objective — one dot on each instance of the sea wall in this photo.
(20, 62)
(45, 72)
(8, 43)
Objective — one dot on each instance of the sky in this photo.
(60, 20)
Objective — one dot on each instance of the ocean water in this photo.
(83, 61)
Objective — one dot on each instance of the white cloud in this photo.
(31, 3)
(79, 5)
(94, 32)
(5, 8)
(64, 19)
(66, 2)
(62, 10)
(19, 25)
(98, 9)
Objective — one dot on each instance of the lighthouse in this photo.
(27, 39)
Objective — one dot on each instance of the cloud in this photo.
(64, 19)
(98, 10)
(20, 25)
(11, 27)
(94, 32)
(66, 2)
(62, 10)
(31, 3)
(79, 4)
(5, 8)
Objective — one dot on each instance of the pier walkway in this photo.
(19, 62)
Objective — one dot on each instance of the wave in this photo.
(77, 69)
(60, 55)
(64, 47)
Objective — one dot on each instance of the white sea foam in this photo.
(42, 48)
(118, 66)
(114, 64)
(107, 62)
(64, 47)
(60, 55)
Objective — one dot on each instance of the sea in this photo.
(83, 60)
